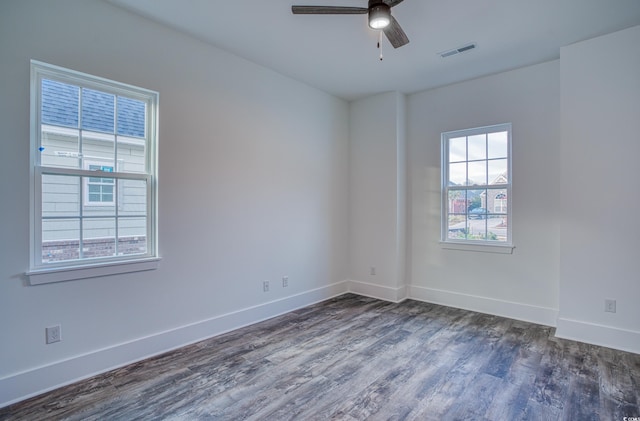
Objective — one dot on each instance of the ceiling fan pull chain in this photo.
(380, 45)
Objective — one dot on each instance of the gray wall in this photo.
(521, 285)
(600, 201)
(253, 187)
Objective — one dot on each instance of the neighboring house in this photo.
(98, 137)
(495, 201)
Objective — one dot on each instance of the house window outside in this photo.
(500, 203)
(93, 158)
(100, 190)
(476, 190)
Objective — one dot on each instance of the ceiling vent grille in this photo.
(458, 50)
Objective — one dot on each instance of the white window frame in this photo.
(473, 244)
(39, 272)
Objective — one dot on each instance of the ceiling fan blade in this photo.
(395, 34)
(328, 10)
(392, 3)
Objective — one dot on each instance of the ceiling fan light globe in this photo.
(379, 16)
(379, 23)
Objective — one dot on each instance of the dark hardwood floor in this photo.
(355, 358)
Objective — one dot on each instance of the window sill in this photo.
(61, 274)
(480, 248)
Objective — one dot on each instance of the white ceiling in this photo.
(338, 54)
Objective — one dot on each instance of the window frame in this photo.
(490, 246)
(41, 272)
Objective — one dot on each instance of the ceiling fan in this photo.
(379, 17)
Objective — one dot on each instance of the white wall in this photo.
(253, 186)
(377, 224)
(601, 196)
(522, 285)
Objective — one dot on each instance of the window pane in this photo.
(458, 149)
(59, 104)
(99, 192)
(457, 227)
(60, 197)
(97, 111)
(98, 237)
(458, 174)
(131, 117)
(132, 235)
(132, 155)
(497, 201)
(477, 229)
(60, 240)
(476, 203)
(133, 197)
(477, 173)
(60, 148)
(477, 147)
(498, 145)
(457, 202)
(498, 171)
(99, 149)
(497, 228)
(131, 140)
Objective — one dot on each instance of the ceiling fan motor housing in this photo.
(379, 14)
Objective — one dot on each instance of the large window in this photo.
(476, 186)
(93, 159)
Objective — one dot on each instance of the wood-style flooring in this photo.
(356, 358)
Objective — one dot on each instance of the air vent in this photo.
(458, 50)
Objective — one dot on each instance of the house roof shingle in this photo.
(60, 107)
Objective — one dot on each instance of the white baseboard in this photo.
(528, 313)
(607, 336)
(20, 386)
(380, 292)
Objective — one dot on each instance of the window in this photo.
(93, 178)
(476, 190)
(99, 190)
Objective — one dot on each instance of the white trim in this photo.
(481, 247)
(519, 311)
(19, 386)
(72, 273)
(601, 335)
(380, 292)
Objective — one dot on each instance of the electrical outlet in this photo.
(373, 270)
(265, 286)
(610, 306)
(285, 281)
(53, 334)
